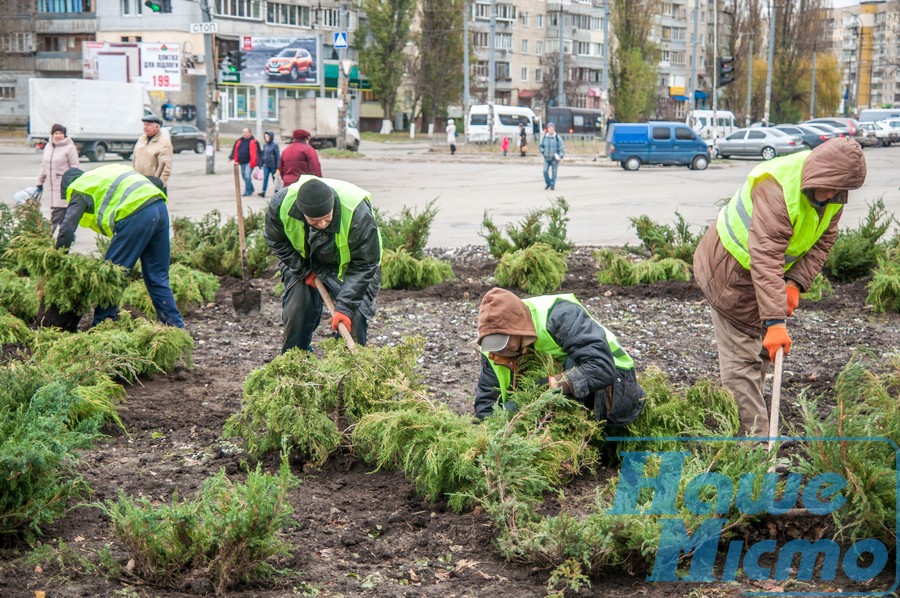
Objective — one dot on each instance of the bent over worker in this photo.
(594, 369)
(120, 203)
(324, 228)
(768, 244)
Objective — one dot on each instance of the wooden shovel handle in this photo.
(775, 409)
(329, 303)
(240, 222)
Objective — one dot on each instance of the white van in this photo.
(877, 114)
(506, 121)
(701, 122)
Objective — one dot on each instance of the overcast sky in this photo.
(844, 3)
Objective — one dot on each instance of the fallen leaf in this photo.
(483, 574)
(40, 594)
(129, 566)
(463, 564)
(78, 539)
(441, 574)
(607, 294)
(413, 576)
(38, 569)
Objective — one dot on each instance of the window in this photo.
(523, 18)
(62, 43)
(539, 75)
(538, 47)
(502, 71)
(480, 39)
(482, 11)
(64, 6)
(736, 136)
(524, 46)
(481, 69)
(504, 41)
(331, 17)
(524, 73)
(241, 102)
(539, 21)
(756, 135)
(17, 43)
(684, 134)
(287, 14)
(506, 12)
(661, 133)
(664, 79)
(244, 9)
(7, 92)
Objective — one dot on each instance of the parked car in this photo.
(187, 137)
(884, 134)
(294, 62)
(893, 123)
(848, 126)
(766, 142)
(811, 137)
(827, 129)
(634, 144)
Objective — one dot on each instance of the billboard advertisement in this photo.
(156, 65)
(281, 61)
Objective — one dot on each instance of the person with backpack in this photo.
(553, 150)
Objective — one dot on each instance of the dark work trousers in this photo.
(144, 236)
(302, 311)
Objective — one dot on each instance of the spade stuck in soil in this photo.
(246, 300)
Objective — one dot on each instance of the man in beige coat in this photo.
(153, 151)
(766, 247)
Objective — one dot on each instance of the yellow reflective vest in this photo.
(117, 192)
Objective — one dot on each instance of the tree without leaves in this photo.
(438, 67)
(549, 91)
(745, 21)
(798, 26)
(632, 73)
(384, 35)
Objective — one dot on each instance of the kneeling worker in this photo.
(596, 371)
(118, 202)
(324, 228)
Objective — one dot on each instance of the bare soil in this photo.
(360, 533)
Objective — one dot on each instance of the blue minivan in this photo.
(634, 144)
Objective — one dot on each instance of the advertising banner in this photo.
(160, 66)
(155, 65)
(281, 61)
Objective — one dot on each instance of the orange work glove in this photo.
(339, 318)
(793, 297)
(311, 280)
(777, 337)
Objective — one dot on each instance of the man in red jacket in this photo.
(246, 153)
(298, 158)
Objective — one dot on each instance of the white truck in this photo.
(319, 116)
(101, 116)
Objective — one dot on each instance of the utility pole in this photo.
(561, 65)
(749, 85)
(715, 87)
(491, 63)
(212, 104)
(466, 98)
(692, 81)
(771, 63)
(604, 76)
(812, 88)
(343, 76)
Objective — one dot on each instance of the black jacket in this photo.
(589, 369)
(362, 276)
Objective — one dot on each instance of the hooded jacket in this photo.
(59, 156)
(297, 159)
(747, 298)
(270, 152)
(589, 371)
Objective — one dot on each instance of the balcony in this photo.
(13, 62)
(58, 61)
(65, 23)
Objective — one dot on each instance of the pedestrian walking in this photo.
(451, 135)
(504, 145)
(153, 152)
(270, 157)
(298, 158)
(325, 228)
(766, 247)
(59, 156)
(118, 202)
(553, 150)
(246, 153)
(523, 139)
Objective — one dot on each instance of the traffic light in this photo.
(726, 70)
(163, 6)
(236, 58)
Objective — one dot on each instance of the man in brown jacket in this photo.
(153, 151)
(766, 247)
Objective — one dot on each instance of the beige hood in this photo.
(501, 312)
(836, 164)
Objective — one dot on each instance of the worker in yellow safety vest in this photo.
(767, 245)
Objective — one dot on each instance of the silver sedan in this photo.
(759, 141)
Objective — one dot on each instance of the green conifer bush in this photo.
(664, 241)
(819, 289)
(226, 535)
(855, 251)
(537, 269)
(12, 329)
(126, 348)
(191, 288)
(530, 230)
(866, 394)
(884, 288)
(409, 231)
(210, 246)
(297, 399)
(400, 270)
(18, 295)
(20, 220)
(617, 270)
(70, 282)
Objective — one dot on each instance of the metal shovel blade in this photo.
(246, 301)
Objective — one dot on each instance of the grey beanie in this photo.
(315, 199)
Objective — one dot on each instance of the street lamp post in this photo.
(561, 66)
(211, 103)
